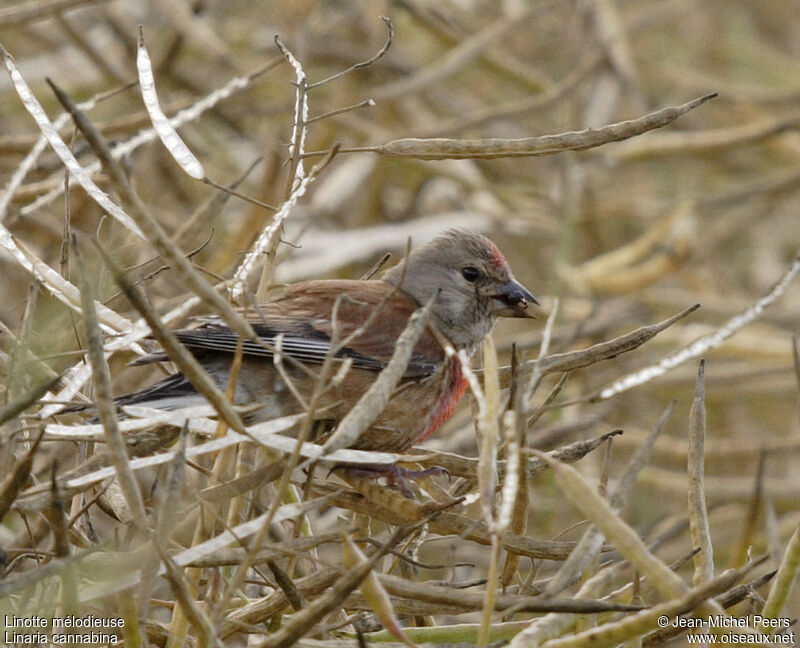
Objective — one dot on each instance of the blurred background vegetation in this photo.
(705, 210)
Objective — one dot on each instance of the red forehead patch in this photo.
(496, 257)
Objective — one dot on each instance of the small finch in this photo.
(472, 285)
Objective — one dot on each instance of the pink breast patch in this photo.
(454, 388)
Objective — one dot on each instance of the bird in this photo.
(470, 284)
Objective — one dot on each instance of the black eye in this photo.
(471, 273)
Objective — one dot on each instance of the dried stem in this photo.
(698, 514)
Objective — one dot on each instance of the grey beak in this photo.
(514, 300)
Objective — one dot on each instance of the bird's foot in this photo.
(391, 475)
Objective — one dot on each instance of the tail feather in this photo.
(171, 393)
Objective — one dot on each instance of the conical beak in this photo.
(514, 300)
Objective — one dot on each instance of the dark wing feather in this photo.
(304, 317)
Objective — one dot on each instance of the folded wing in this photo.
(361, 319)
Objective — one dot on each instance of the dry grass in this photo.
(554, 528)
